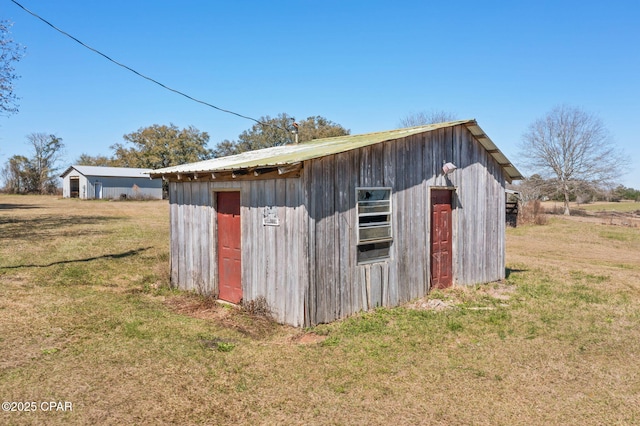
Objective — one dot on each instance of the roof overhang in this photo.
(510, 170)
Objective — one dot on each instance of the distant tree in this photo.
(573, 147)
(37, 174)
(97, 160)
(47, 151)
(279, 131)
(319, 128)
(225, 148)
(10, 53)
(423, 118)
(534, 188)
(159, 146)
(621, 192)
(14, 174)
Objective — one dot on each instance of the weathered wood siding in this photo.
(274, 258)
(306, 267)
(191, 212)
(480, 235)
(339, 286)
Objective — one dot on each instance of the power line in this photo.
(140, 74)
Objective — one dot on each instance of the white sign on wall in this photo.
(270, 216)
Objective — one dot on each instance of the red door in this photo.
(441, 253)
(229, 263)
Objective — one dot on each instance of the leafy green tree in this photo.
(621, 192)
(159, 146)
(319, 128)
(97, 160)
(10, 52)
(280, 131)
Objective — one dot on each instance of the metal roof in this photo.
(278, 156)
(124, 172)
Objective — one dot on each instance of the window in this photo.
(374, 223)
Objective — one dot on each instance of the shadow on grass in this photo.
(509, 271)
(87, 259)
(18, 206)
(41, 227)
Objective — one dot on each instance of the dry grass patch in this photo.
(87, 317)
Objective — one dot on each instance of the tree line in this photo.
(535, 187)
(568, 151)
(157, 146)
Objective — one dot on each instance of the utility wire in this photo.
(140, 74)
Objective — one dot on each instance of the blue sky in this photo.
(363, 64)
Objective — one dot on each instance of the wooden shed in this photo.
(323, 229)
(93, 182)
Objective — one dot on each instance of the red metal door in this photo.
(229, 259)
(441, 245)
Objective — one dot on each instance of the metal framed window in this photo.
(373, 206)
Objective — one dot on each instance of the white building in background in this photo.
(93, 182)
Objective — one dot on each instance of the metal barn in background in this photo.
(92, 182)
(323, 229)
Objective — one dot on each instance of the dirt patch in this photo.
(631, 219)
(309, 338)
(253, 325)
(228, 316)
(451, 298)
(500, 290)
(431, 304)
(198, 307)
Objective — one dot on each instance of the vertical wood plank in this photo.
(254, 282)
(329, 222)
(198, 268)
(355, 277)
(281, 250)
(317, 299)
(389, 180)
(375, 285)
(343, 194)
(174, 234)
(213, 235)
(182, 241)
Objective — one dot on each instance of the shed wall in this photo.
(411, 166)
(274, 258)
(114, 187)
(66, 185)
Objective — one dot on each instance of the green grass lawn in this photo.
(87, 317)
(621, 207)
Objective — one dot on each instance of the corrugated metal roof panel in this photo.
(289, 154)
(126, 172)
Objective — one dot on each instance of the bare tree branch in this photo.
(574, 148)
(423, 118)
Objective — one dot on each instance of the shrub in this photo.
(257, 307)
(532, 212)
